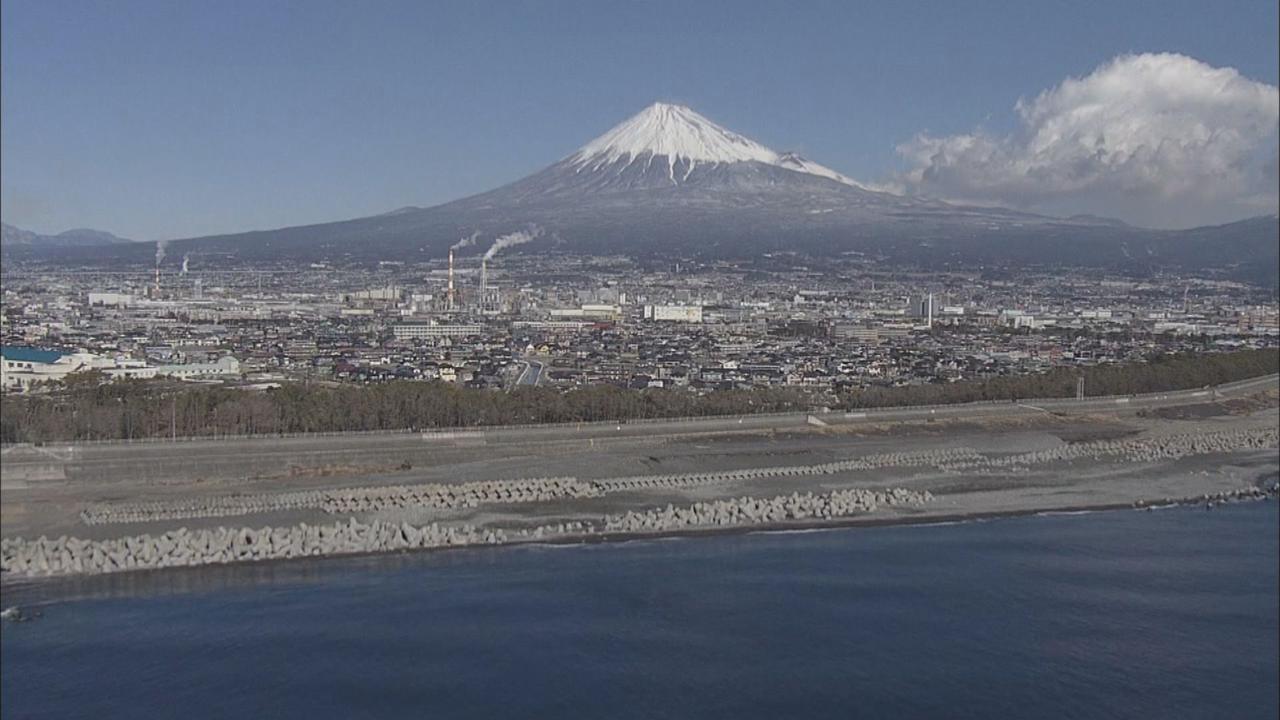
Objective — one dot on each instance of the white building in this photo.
(224, 367)
(110, 299)
(423, 331)
(673, 313)
(591, 312)
(551, 326)
(23, 367)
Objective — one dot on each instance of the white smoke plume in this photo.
(186, 259)
(160, 245)
(465, 242)
(515, 238)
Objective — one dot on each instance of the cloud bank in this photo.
(1161, 140)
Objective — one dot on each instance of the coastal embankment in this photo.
(181, 548)
(568, 489)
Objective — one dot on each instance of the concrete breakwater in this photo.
(347, 500)
(762, 511)
(1212, 499)
(200, 507)
(918, 458)
(184, 548)
(455, 496)
(1170, 447)
(472, 494)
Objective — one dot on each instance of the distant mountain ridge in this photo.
(669, 181)
(11, 236)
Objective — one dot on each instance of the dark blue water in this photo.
(1169, 614)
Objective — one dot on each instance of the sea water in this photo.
(1125, 614)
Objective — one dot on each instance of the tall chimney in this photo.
(484, 280)
(930, 310)
(450, 293)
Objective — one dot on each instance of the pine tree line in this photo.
(84, 408)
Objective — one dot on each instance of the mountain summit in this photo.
(670, 181)
(681, 139)
(674, 133)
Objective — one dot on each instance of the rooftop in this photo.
(21, 353)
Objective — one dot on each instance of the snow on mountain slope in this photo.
(792, 161)
(674, 132)
(682, 139)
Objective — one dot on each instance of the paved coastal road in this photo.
(532, 373)
(244, 457)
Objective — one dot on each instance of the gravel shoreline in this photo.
(183, 548)
(916, 476)
(578, 536)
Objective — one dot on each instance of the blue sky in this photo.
(172, 119)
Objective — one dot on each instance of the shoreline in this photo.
(644, 489)
(24, 583)
(853, 523)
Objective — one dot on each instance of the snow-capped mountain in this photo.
(669, 173)
(667, 146)
(680, 139)
(668, 180)
(670, 133)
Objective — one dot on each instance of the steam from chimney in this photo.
(515, 238)
(465, 242)
(186, 259)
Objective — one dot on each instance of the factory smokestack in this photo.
(160, 245)
(449, 295)
(484, 279)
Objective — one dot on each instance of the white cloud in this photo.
(1157, 139)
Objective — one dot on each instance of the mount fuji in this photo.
(669, 181)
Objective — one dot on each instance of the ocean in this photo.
(1122, 614)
